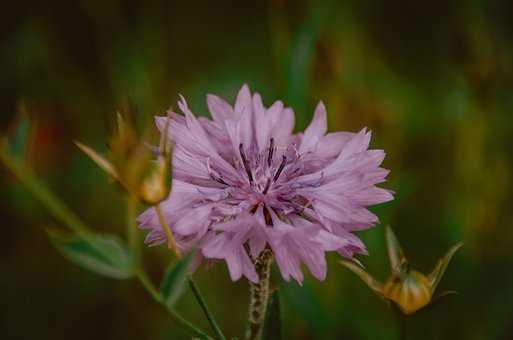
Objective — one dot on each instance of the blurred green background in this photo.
(433, 81)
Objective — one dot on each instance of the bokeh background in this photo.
(433, 80)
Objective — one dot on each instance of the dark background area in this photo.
(433, 81)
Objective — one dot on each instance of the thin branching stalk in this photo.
(403, 328)
(26, 176)
(132, 235)
(259, 295)
(171, 243)
(210, 317)
(177, 318)
(401, 321)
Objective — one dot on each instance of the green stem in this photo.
(402, 326)
(206, 310)
(55, 206)
(27, 177)
(186, 324)
(132, 235)
(157, 296)
(149, 286)
(41, 192)
(171, 243)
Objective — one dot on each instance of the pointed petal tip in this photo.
(320, 106)
(244, 90)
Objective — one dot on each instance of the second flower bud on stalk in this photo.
(132, 163)
(407, 289)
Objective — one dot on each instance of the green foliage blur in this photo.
(432, 80)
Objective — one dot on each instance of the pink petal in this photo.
(219, 108)
(315, 130)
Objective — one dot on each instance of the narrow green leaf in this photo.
(18, 143)
(374, 285)
(436, 275)
(102, 254)
(395, 252)
(272, 323)
(101, 161)
(173, 283)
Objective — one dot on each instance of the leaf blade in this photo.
(174, 280)
(21, 136)
(373, 284)
(395, 251)
(438, 272)
(101, 161)
(102, 254)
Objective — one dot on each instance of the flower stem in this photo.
(259, 295)
(171, 243)
(157, 296)
(52, 203)
(206, 310)
(132, 235)
(402, 326)
(27, 177)
(149, 286)
(403, 329)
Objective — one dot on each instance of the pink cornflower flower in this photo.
(243, 182)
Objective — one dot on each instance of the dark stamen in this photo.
(218, 179)
(280, 169)
(267, 217)
(271, 153)
(267, 186)
(245, 163)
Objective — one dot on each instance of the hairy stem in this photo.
(259, 295)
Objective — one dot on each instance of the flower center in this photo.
(261, 171)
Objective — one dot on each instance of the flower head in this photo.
(244, 182)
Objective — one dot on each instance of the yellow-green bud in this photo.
(155, 185)
(410, 291)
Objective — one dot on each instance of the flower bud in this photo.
(410, 291)
(130, 162)
(155, 185)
